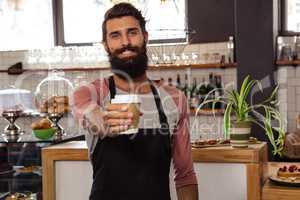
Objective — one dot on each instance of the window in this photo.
(26, 24)
(35, 24)
(291, 16)
(82, 19)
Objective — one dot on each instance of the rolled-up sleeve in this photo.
(181, 150)
(86, 98)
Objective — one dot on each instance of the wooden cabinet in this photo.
(223, 172)
(275, 192)
(230, 173)
(67, 173)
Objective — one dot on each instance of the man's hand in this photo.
(109, 122)
(117, 118)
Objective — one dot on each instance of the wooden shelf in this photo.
(193, 66)
(255, 153)
(151, 67)
(208, 112)
(286, 62)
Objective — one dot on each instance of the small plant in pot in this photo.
(239, 115)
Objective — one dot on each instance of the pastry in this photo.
(55, 104)
(289, 171)
(16, 196)
(41, 124)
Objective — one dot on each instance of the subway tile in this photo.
(282, 92)
(291, 126)
(283, 107)
(291, 72)
(293, 82)
(291, 94)
(298, 102)
(292, 115)
(291, 107)
(282, 73)
(298, 72)
(298, 89)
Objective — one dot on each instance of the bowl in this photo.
(44, 133)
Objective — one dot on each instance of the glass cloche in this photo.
(52, 98)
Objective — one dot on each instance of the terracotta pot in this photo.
(240, 134)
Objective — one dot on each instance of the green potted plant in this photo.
(239, 114)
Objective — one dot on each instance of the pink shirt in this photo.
(86, 98)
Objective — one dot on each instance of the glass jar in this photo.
(52, 93)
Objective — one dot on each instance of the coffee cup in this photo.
(133, 103)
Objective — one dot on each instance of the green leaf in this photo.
(227, 115)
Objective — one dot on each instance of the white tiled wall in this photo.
(289, 94)
(206, 53)
(205, 125)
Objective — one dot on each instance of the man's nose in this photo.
(125, 40)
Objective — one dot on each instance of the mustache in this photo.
(127, 48)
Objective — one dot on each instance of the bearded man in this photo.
(127, 167)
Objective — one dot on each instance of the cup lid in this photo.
(126, 98)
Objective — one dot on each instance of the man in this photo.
(134, 167)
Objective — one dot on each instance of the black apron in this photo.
(133, 167)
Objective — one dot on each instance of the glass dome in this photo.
(52, 93)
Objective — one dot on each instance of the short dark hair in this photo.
(122, 10)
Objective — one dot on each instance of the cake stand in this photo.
(51, 94)
(12, 131)
(55, 118)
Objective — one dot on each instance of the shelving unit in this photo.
(151, 67)
(25, 165)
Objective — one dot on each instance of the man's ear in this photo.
(105, 46)
(146, 37)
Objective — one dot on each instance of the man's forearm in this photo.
(94, 119)
(189, 192)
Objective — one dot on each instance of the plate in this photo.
(7, 172)
(28, 170)
(208, 145)
(294, 182)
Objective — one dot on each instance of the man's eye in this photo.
(114, 35)
(133, 32)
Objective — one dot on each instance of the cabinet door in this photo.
(219, 181)
(73, 180)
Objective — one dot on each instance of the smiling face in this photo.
(126, 45)
(123, 32)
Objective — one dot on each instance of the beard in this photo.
(129, 67)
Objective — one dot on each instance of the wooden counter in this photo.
(275, 192)
(253, 154)
(253, 158)
(272, 191)
(71, 151)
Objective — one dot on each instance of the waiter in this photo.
(134, 167)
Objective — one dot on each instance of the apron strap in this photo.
(112, 87)
(162, 116)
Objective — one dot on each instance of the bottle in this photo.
(178, 82)
(202, 92)
(218, 91)
(185, 88)
(211, 89)
(230, 46)
(193, 95)
(170, 81)
(279, 47)
(297, 48)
